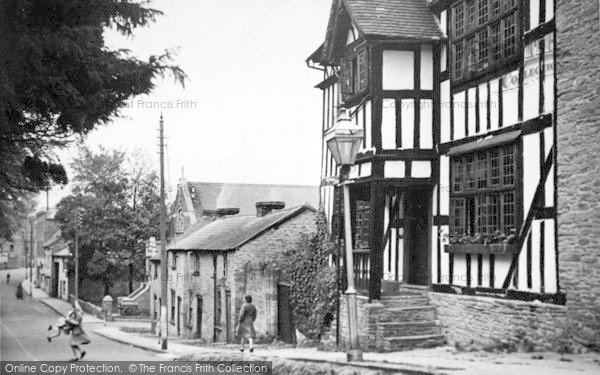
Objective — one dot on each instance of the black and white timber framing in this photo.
(426, 121)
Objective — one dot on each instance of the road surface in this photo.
(24, 325)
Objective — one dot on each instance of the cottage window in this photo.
(197, 263)
(483, 192)
(484, 36)
(355, 74)
(218, 308)
(172, 305)
(190, 307)
(362, 217)
(155, 267)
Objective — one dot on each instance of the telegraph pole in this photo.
(77, 226)
(163, 241)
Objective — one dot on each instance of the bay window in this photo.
(483, 36)
(483, 194)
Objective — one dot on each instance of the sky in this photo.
(249, 112)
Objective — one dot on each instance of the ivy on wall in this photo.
(313, 291)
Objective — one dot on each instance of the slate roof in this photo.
(230, 232)
(211, 196)
(377, 19)
(407, 19)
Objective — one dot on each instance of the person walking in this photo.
(78, 335)
(19, 292)
(245, 329)
(8, 278)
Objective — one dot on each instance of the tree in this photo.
(59, 81)
(119, 210)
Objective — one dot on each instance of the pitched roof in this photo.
(394, 18)
(231, 232)
(211, 196)
(381, 19)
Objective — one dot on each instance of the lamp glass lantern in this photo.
(344, 139)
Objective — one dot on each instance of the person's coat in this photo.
(78, 335)
(246, 321)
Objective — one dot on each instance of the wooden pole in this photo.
(163, 242)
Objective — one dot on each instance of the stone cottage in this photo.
(213, 267)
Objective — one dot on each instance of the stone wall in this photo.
(480, 322)
(268, 249)
(578, 125)
(367, 327)
(261, 284)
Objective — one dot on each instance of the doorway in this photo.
(417, 234)
(54, 280)
(285, 320)
(199, 317)
(178, 316)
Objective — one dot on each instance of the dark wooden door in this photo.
(54, 281)
(416, 237)
(178, 316)
(199, 317)
(285, 322)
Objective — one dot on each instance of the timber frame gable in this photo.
(470, 99)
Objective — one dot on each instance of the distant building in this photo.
(199, 203)
(59, 281)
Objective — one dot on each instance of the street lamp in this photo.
(343, 141)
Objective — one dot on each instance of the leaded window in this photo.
(483, 194)
(355, 74)
(362, 217)
(484, 36)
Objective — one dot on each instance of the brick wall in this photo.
(270, 248)
(578, 149)
(480, 322)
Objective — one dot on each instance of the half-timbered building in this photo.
(453, 193)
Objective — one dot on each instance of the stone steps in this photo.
(401, 329)
(407, 320)
(405, 300)
(407, 314)
(411, 342)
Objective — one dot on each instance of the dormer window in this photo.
(355, 74)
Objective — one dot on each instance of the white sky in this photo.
(249, 112)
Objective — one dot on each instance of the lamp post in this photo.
(343, 141)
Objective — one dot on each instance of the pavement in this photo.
(24, 324)
(441, 360)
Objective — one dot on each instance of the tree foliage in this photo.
(313, 292)
(119, 205)
(58, 81)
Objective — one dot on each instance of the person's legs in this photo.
(75, 349)
(242, 344)
(251, 342)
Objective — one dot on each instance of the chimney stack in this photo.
(220, 212)
(264, 208)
